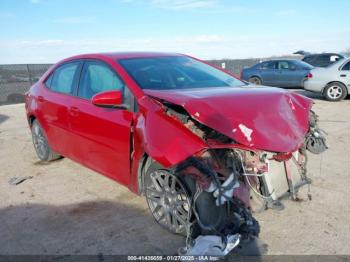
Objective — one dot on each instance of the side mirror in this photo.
(113, 98)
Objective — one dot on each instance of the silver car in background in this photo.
(333, 82)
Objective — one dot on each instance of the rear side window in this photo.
(49, 81)
(97, 77)
(63, 78)
(346, 66)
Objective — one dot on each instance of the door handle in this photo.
(41, 99)
(343, 75)
(74, 111)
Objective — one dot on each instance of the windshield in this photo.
(176, 72)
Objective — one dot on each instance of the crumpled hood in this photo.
(264, 118)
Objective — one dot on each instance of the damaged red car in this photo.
(203, 147)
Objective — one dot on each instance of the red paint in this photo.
(113, 141)
(108, 98)
(277, 118)
(165, 139)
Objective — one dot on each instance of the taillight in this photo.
(309, 75)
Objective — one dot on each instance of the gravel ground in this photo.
(67, 209)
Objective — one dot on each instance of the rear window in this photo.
(322, 60)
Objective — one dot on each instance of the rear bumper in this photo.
(314, 86)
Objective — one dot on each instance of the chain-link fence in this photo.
(15, 80)
(234, 66)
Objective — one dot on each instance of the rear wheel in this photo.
(42, 148)
(255, 80)
(335, 92)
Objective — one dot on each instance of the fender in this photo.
(163, 138)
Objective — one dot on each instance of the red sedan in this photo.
(171, 127)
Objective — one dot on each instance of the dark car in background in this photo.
(280, 73)
(322, 60)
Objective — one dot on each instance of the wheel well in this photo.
(335, 82)
(255, 76)
(31, 119)
(144, 163)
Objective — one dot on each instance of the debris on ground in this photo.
(211, 245)
(14, 181)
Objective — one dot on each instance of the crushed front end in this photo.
(242, 169)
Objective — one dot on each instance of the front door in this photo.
(102, 135)
(268, 73)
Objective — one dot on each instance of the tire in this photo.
(335, 92)
(41, 146)
(167, 199)
(213, 219)
(255, 80)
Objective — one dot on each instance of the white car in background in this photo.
(333, 82)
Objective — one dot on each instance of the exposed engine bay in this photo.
(226, 183)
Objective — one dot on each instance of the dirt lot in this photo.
(68, 209)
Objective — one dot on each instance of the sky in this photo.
(45, 31)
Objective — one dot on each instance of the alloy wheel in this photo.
(255, 80)
(334, 92)
(168, 201)
(39, 141)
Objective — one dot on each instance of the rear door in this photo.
(345, 74)
(101, 135)
(53, 105)
(268, 73)
(289, 75)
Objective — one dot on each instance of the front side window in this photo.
(97, 77)
(176, 72)
(269, 65)
(63, 78)
(283, 65)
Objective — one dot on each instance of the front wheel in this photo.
(255, 80)
(167, 199)
(42, 148)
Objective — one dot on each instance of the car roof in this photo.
(125, 55)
